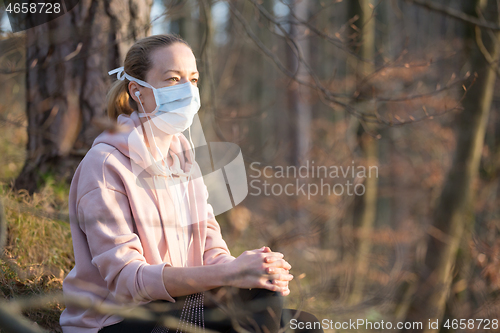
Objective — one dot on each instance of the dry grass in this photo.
(38, 252)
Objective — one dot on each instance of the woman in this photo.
(142, 229)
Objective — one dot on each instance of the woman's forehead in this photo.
(177, 56)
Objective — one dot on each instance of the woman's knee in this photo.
(263, 298)
(246, 296)
(256, 309)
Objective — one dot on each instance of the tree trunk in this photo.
(262, 131)
(454, 210)
(298, 96)
(299, 108)
(365, 47)
(207, 89)
(67, 61)
(183, 23)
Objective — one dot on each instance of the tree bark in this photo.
(454, 210)
(67, 61)
(298, 96)
(207, 89)
(298, 100)
(365, 47)
(183, 24)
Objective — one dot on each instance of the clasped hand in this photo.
(261, 268)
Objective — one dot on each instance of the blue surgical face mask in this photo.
(176, 105)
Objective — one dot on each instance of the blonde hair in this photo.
(137, 63)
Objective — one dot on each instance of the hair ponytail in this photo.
(137, 63)
(118, 100)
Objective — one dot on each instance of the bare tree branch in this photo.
(12, 317)
(8, 71)
(456, 14)
(257, 41)
(486, 54)
(10, 322)
(330, 98)
(437, 91)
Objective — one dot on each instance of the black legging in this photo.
(256, 310)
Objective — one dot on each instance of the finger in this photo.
(286, 292)
(273, 257)
(279, 283)
(277, 270)
(281, 263)
(262, 249)
(274, 253)
(268, 284)
(280, 277)
(281, 289)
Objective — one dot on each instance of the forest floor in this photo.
(38, 252)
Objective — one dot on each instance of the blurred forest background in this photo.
(409, 87)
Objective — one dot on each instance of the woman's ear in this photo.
(134, 91)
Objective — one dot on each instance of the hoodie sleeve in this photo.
(216, 250)
(104, 216)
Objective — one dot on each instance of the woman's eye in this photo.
(174, 79)
(194, 80)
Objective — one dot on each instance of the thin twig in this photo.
(435, 92)
(325, 94)
(456, 14)
(10, 322)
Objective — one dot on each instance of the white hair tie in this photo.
(120, 71)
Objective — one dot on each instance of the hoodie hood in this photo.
(149, 174)
(131, 143)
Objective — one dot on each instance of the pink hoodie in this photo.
(125, 233)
